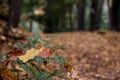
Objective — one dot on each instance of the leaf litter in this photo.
(95, 56)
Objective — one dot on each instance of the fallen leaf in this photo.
(7, 74)
(68, 67)
(83, 79)
(73, 74)
(45, 52)
(30, 54)
(15, 53)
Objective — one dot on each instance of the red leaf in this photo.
(46, 52)
(15, 53)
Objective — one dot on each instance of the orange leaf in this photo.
(68, 67)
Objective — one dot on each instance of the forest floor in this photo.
(96, 56)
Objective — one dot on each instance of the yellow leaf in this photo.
(30, 54)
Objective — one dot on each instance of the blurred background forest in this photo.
(90, 29)
(60, 15)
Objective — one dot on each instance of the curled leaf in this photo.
(68, 67)
(73, 74)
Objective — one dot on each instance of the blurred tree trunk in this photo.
(114, 14)
(55, 16)
(15, 7)
(62, 16)
(81, 14)
(51, 18)
(69, 11)
(119, 17)
(95, 14)
(0, 2)
(3, 10)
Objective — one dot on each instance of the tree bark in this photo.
(114, 15)
(15, 7)
(55, 16)
(81, 14)
(69, 11)
(51, 18)
(119, 18)
(95, 14)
